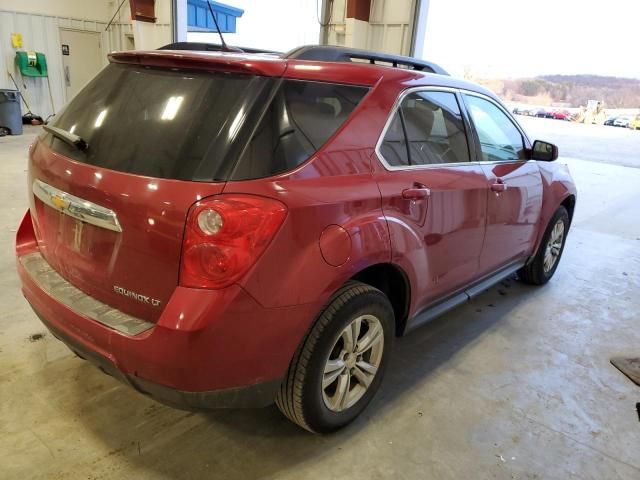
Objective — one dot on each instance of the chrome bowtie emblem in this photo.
(59, 201)
(76, 207)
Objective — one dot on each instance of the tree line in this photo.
(568, 90)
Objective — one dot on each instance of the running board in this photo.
(443, 306)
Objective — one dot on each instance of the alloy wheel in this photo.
(352, 363)
(554, 246)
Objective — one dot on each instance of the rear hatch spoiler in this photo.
(265, 65)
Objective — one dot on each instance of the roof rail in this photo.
(322, 53)
(341, 54)
(212, 47)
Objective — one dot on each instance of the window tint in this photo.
(434, 128)
(426, 130)
(300, 119)
(190, 125)
(500, 140)
(160, 123)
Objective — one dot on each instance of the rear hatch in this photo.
(109, 216)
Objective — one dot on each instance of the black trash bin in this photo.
(10, 115)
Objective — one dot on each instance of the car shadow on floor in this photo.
(262, 443)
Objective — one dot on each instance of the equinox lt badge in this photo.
(136, 296)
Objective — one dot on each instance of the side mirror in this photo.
(544, 151)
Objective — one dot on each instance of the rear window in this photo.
(160, 123)
(200, 126)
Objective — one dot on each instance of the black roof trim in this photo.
(213, 47)
(325, 53)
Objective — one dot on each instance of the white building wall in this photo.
(39, 22)
(148, 36)
(388, 30)
(89, 9)
(390, 26)
(40, 33)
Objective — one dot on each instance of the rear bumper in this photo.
(252, 396)
(208, 349)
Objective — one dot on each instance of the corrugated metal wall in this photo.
(41, 33)
(388, 29)
(390, 26)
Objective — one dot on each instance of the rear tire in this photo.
(540, 270)
(332, 379)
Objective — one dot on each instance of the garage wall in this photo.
(40, 33)
(39, 22)
(388, 29)
(148, 36)
(94, 9)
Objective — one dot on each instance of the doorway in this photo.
(81, 58)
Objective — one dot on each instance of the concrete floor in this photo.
(515, 385)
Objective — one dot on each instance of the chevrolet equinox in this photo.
(226, 229)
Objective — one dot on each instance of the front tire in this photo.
(340, 364)
(540, 270)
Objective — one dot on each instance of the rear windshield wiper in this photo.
(67, 137)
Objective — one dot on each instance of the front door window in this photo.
(500, 140)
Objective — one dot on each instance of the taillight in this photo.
(224, 237)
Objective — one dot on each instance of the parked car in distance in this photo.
(561, 115)
(634, 123)
(231, 229)
(520, 111)
(622, 121)
(609, 121)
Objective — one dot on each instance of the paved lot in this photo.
(603, 144)
(515, 385)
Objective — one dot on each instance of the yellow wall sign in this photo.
(16, 40)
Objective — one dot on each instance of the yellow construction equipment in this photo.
(593, 113)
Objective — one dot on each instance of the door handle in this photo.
(417, 192)
(499, 186)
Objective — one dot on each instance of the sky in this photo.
(270, 24)
(524, 38)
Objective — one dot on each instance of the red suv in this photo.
(229, 229)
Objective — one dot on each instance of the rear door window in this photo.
(299, 120)
(435, 130)
(427, 129)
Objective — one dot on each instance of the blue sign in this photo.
(199, 17)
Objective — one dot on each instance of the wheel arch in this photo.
(569, 203)
(394, 283)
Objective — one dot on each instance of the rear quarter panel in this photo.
(335, 187)
(293, 271)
